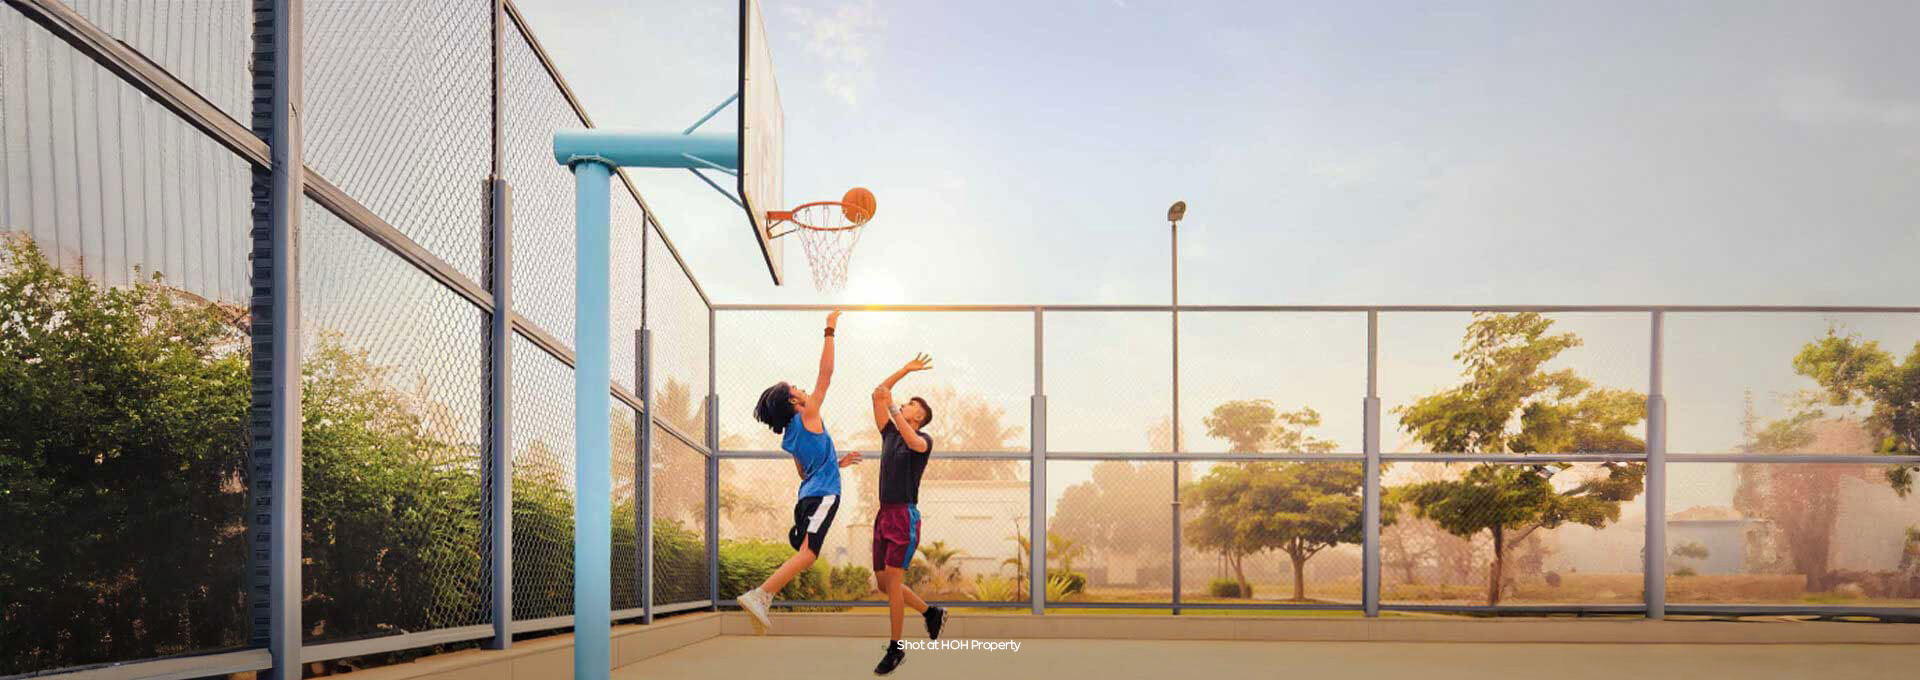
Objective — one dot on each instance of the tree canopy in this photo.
(1505, 359)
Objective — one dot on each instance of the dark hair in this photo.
(775, 407)
(924, 407)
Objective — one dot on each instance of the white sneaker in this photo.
(754, 603)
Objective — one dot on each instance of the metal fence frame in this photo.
(1656, 457)
(271, 143)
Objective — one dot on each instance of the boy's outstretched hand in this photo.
(849, 458)
(921, 362)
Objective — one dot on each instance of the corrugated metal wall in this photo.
(107, 180)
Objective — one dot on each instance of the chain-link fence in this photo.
(1510, 471)
(128, 144)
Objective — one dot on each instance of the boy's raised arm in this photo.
(825, 379)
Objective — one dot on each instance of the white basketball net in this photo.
(828, 238)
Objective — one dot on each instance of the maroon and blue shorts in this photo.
(896, 534)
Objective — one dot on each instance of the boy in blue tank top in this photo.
(794, 414)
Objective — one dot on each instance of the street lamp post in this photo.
(1175, 213)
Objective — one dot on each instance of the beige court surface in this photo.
(735, 656)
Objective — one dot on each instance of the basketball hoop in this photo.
(828, 231)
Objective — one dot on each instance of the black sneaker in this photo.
(936, 619)
(896, 653)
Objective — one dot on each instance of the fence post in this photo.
(499, 461)
(643, 470)
(713, 469)
(1037, 474)
(1370, 521)
(1175, 426)
(274, 467)
(1656, 487)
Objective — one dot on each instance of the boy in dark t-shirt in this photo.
(896, 527)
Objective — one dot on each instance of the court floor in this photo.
(787, 657)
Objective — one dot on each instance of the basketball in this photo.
(858, 205)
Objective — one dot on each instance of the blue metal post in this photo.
(592, 439)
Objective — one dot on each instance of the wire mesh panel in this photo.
(625, 485)
(1110, 524)
(1794, 533)
(629, 224)
(1110, 382)
(543, 483)
(980, 387)
(207, 44)
(543, 205)
(679, 522)
(394, 396)
(678, 317)
(1514, 382)
(1271, 531)
(1730, 376)
(1549, 533)
(398, 113)
(1258, 382)
(109, 182)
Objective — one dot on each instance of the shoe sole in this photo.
(760, 622)
(896, 667)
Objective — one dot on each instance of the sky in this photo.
(1340, 152)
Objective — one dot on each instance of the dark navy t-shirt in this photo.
(901, 466)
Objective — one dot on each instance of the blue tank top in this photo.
(816, 455)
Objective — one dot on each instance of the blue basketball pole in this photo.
(593, 154)
(592, 431)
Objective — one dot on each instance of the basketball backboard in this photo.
(762, 136)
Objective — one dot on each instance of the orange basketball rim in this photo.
(829, 230)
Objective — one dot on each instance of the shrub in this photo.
(1073, 581)
(993, 589)
(849, 582)
(1553, 579)
(1061, 586)
(1226, 587)
(1684, 571)
(679, 563)
(918, 574)
(745, 564)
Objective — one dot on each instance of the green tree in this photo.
(1255, 426)
(1505, 358)
(1852, 371)
(123, 439)
(1297, 508)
